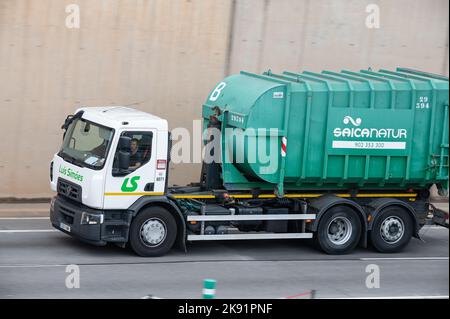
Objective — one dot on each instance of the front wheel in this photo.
(392, 230)
(339, 231)
(153, 232)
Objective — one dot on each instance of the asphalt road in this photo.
(34, 257)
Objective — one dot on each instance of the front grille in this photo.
(69, 189)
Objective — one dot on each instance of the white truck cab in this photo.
(89, 156)
(110, 157)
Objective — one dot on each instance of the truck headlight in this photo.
(91, 219)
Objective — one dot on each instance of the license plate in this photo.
(64, 226)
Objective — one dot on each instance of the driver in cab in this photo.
(135, 155)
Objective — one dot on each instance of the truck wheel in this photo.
(153, 232)
(339, 231)
(392, 230)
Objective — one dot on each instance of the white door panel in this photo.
(122, 191)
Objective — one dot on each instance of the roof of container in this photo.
(401, 76)
(123, 117)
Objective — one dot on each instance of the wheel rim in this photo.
(392, 229)
(339, 230)
(153, 232)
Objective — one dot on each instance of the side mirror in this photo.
(67, 122)
(70, 118)
(124, 144)
(124, 160)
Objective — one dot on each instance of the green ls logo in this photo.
(133, 184)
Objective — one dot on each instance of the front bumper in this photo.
(66, 215)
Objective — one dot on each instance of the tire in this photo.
(384, 233)
(153, 232)
(339, 231)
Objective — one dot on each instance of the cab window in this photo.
(140, 151)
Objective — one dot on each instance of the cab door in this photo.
(124, 187)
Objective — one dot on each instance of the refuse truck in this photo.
(344, 159)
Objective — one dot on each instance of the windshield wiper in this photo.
(71, 159)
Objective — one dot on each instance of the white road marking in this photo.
(434, 227)
(31, 266)
(151, 297)
(12, 231)
(393, 297)
(23, 218)
(404, 258)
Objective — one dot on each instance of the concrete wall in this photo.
(164, 56)
(332, 34)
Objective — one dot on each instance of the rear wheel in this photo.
(153, 232)
(339, 231)
(392, 230)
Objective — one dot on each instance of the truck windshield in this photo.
(86, 144)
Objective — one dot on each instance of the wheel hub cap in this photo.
(339, 230)
(392, 229)
(153, 232)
